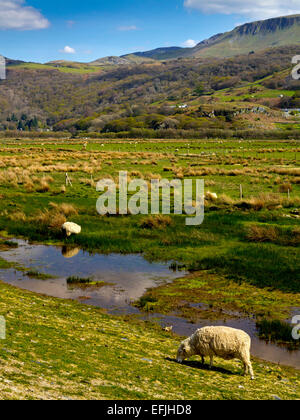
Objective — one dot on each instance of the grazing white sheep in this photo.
(211, 196)
(70, 228)
(227, 343)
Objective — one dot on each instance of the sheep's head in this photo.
(184, 351)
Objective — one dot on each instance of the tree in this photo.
(20, 126)
(199, 91)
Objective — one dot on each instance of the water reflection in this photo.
(69, 252)
(129, 276)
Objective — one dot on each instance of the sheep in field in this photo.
(211, 196)
(224, 342)
(71, 228)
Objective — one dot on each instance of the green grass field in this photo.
(245, 256)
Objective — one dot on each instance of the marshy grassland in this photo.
(245, 257)
(59, 349)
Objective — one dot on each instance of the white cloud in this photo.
(127, 28)
(15, 14)
(256, 9)
(190, 43)
(68, 50)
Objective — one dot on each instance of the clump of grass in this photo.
(268, 201)
(286, 187)
(29, 186)
(151, 176)
(226, 200)
(277, 180)
(43, 184)
(79, 280)
(177, 267)
(256, 233)
(286, 171)
(295, 237)
(11, 244)
(43, 187)
(37, 275)
(49, 219)
(17, 216)
(146, 303)
(254, 203)
(64, 208)
(159, 221)
(87, 181)
(48, 179)
(296, 181)
(291, 202)
(285, 237)
(84, 282)
(4, 245)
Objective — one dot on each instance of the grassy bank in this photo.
(220, 296)
(63, 350)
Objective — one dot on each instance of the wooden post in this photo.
(241, 192)
(68, 181)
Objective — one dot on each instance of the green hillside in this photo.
(254, 36)
(166, 53)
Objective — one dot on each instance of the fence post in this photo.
(68, 181)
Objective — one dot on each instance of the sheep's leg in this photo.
(211, 362)
(203, 360)
(245, 368)
(251, 370)
(248, 367)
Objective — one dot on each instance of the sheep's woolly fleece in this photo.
(224, 342)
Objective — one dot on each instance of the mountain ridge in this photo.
(241, 40)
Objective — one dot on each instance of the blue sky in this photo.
(41, 31)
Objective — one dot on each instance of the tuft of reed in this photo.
(285, 237)
(49, 219)
(64, 208)
(257, 233)
(78, 280)
(285, 188)
(159, 221)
